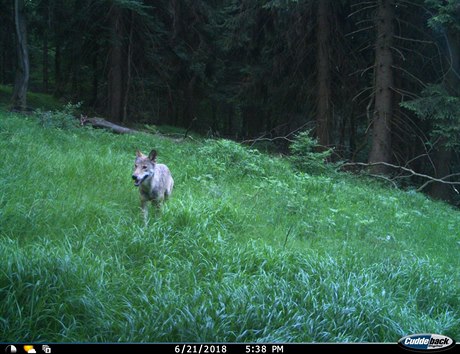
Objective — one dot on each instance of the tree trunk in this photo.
(323, 114)
(230, 117)
(171, 110)
(19, 99)
(95, 81)
(214, 119)
(189, 109)
(251, 121)
(352, 135)
(128, 70)
(115, 79)
(58, 84)
(383, 104)
(441, 159)
(8, 59)
(45, 62)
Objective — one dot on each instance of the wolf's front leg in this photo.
(156, 207)
(145, 211)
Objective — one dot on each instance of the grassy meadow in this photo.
(246, 250)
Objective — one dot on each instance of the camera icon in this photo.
(46, 349)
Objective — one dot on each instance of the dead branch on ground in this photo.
(430, 179)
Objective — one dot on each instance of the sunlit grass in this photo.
(246, 249)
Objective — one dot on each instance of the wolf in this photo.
(154, 180)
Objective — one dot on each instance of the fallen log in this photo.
(105, 124)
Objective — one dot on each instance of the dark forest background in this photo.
(376, 81)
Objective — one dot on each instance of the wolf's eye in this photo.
(144, 167)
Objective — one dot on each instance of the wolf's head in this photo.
(144, 167)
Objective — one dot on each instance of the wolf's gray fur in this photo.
(154, 180)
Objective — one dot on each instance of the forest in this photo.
(375, 82)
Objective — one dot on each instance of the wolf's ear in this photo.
(153, 155)
(139, 153)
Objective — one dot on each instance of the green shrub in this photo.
(59, 119)
(226, 154)
(305, 155)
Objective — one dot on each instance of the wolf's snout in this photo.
(136, 181)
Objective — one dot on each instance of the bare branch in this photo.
(361, 92)
(359, 30)
(285, 137)
(364, 48)
(416, 158)
(363, 8)
(368, 111)
(431, 179)
(413, 4)
(367, 20)
(410, 74)
(399, 52)
(405, 93)
(253, 141)
(363, 3)
(413, 40)
(362, 71)
(443, 178)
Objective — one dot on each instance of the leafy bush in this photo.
(306, 156)
(61, 118)
(227, 154)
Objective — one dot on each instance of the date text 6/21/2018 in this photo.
(228, 349)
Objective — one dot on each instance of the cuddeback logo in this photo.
(424, 342)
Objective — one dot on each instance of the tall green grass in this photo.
(246, 249)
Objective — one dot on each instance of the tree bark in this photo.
(46, 47)
(128, 70)
(230, 118)
(19, 99)
(58, 80)
(45, 62)
(323, 114)
(383, 103)
(115, 79)
(189, 109)
(7, 57)
(441, 159)
(214, 118)
(95, 81)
